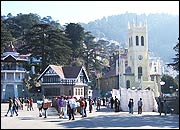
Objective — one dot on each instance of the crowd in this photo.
(68, 106)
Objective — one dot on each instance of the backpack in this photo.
(82, 103)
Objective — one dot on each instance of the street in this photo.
(106, 118)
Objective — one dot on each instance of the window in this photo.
(81, 91)
(127, 84)
(76, 91)
(139, 72)
(137, 41)
(155, 70)
(10, 76)
(129, 42)
(142, 41)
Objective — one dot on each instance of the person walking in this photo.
(131, 105)
(71, 107)
(15, 105)
(90, 104)
(112, 102)
(10, 107)
(60, 106)
(31, 104)
(45, 106)
(82, 105)
(165, 107)
(140, 106)
(65, 107)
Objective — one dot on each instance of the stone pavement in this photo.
(106, 118)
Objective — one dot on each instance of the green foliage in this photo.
(6, 37)
(175, 65)
(169, 81)
(47, 43)
(75, 32)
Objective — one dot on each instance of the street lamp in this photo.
(171, 89)
(3, 94)
(23, 92)
(162, 83)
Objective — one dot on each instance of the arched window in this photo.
(139, 72)
(142, 41)
(128, 70)
(137, 41)
(127, 84)
(131, 42)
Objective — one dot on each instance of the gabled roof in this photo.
(58, 70)
(14, 57)
(71, 72)
(65, 72)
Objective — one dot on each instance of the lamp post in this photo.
(177, 92)
(171, 89)
(162, 83)
(38, 92)
(119, 72)
(23, 93)
(3, 98)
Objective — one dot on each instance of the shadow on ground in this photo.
(126, 120)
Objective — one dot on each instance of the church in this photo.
(133, 67)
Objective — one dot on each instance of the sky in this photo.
(86, 11)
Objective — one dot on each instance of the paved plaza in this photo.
(106, 118)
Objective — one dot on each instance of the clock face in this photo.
(140, 57)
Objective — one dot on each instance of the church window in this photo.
(139, 72)
(137, 41)
(155, 70)
(131, 41)
(142, 41)
(127, 84)
(128, 70)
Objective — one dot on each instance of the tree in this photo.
(169, 81)
(48, 44)
(75, 33)
(17, 25)
(6, 37)
(175, 65)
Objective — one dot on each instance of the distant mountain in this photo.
(163, 31)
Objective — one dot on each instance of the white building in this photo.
(12, 73)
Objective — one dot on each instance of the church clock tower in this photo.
(138, 53)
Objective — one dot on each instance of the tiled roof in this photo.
(71, 72)
(64, 72)
(58, 70)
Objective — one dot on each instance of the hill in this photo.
(163, 31)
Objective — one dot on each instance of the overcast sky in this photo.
(86, 11)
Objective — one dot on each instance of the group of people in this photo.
(69, 106)
(14, 104)
(131, 105)
(116, 103)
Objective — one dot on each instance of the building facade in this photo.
(134, 67)
(69, 81)
(12, 73)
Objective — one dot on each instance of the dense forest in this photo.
(45, 39)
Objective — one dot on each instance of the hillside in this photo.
(163, 31)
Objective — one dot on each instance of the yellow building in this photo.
(136, 68)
